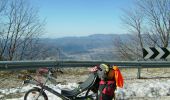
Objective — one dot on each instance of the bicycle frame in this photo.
(42, 87)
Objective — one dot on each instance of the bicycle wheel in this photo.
(34, 94)
(91, 95)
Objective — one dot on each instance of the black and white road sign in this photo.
(156, 53)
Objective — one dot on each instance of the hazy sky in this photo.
(81, 17)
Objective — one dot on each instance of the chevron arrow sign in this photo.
(156, 53)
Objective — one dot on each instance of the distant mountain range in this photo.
(93, 47)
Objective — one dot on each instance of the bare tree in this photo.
(128, 49)
(149, 23)
(3, 5)
(22, 25)
(132, 47)
(157, 17)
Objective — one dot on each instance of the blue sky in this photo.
(81, 17)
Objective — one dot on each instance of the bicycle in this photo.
(38, 92)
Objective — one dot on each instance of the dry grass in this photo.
(127, 73)
(10, 78)
(75, 71)
(146, 73)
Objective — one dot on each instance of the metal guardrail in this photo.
(15, 65)
(20, 65)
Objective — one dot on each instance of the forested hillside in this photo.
(93, 47)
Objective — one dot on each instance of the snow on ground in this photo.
(145, 88)
(133, 88)
(24, 89)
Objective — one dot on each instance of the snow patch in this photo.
(140, 88)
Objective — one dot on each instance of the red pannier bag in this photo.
(106, 89)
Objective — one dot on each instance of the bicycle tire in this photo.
(89, 96)
(34, 90)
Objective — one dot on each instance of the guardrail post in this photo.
(139, 73)
(6, 66)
